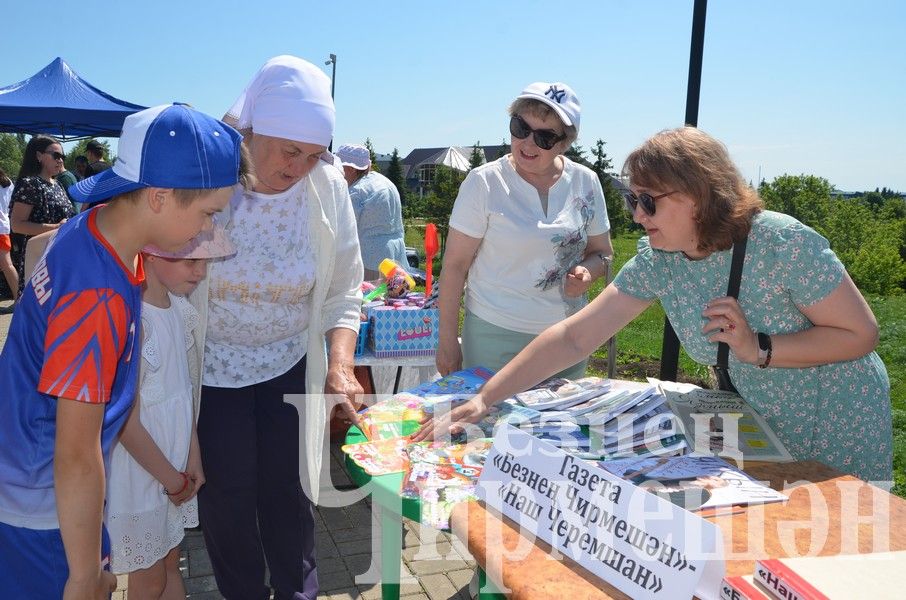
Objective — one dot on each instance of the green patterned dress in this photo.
(838, 413)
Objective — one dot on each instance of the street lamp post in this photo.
(332, 61)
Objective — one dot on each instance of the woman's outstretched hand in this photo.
(444, 424)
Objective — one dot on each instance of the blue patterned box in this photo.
(403, 332)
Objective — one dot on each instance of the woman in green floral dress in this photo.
(801, 336)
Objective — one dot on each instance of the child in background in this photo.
(6, 263)
(156, 470)
(70, 364)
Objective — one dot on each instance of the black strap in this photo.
(739, 256)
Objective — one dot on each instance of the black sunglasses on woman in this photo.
(543, 138)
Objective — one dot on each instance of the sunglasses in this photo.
(645, 199)
(56, 155)
(544, 138)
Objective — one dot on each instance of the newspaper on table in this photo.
(562, 393)
(724, 484)
(723, 423)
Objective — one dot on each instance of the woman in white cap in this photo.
(530, 231)
(291, 290)
(378, 211)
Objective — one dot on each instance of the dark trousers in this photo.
(252, 507)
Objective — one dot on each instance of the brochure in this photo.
(465, 382)
(394, 417)
(756, 440)
(440, 475)
(726, 484)
(561, 393)
(507, 411)
(380, 457)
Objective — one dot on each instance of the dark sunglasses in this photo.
(645, 199)
(56, 155)
(544, 138)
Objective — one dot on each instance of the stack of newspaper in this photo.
(593, 417)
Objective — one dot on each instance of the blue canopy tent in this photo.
(58, 102)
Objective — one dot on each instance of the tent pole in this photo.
(670, 346)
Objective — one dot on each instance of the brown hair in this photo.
(690, 161)
(541, 110)
(4, 179)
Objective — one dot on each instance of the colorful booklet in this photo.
(726, 485)
(394, 417)
(560, 393)
(380, 457)
(728, 411)
(465, 382)
(441, 475)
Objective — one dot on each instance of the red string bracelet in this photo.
(185, 485)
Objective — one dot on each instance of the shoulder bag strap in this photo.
(739, 256)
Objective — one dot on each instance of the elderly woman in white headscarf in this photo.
(282, 317)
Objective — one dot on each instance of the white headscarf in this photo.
(288, 98)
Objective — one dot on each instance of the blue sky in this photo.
(801, 86)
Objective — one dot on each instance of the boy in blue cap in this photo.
(69, 367)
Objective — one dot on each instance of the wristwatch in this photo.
(765, 349)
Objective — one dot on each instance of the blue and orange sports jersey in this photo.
(73, 336)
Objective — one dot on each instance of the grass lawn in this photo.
(639, 346)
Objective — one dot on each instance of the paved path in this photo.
(435, 565)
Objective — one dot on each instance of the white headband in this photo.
(288, 98)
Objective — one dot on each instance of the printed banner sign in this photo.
(643, 545)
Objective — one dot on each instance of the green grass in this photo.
(639, 346)
(891, 314)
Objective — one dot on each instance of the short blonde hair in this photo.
(541, 110)
(690, 161)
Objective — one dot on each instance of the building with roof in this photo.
(420, 165)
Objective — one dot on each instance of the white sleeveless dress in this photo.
(143, 524)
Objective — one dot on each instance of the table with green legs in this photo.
(385, 491)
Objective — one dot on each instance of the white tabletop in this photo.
(368, 359)
(413, 371)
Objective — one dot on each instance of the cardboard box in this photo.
(403, 332)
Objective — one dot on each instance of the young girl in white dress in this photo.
(155, 469)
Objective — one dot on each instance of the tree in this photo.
(576, 154)
(11, 149)
(438, 205)
(804, 197)
(869, 240)
(476, 159)
(602, 166)
(372, 155)
(504, 149)
(396, 175)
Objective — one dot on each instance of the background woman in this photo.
(292, 286)
(6, 263)
(39, 204)
(530, 231)
(378, 211)
(801, 336)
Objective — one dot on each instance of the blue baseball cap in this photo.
(167, 146)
